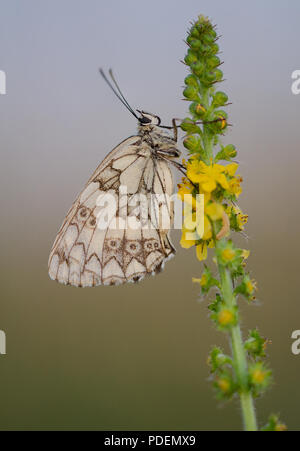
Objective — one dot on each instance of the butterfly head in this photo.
(148, 118)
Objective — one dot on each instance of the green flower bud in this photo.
(255, 345)
(197, 109)
(191, 80)
(195, 44)
(213, 33)
(227, 153)
(213, 62)
(197, 68)
(194, 33)
(217, 359)
(192, 143)
(215, 305)
(189, 126)
(220, 113)
(230, 151)
(219, 99)
(218, 74)
(205, 49)
(214, 49)
(190, 57)
(208, 77)
(208, 38)
(189, 39)
(191, 93)
(220, 118)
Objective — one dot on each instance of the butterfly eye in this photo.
(145, 120)
(148, 118)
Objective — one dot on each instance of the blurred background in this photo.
(134, 357)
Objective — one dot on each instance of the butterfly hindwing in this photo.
(84, 254)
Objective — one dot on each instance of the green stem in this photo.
(207, 141)
(239, 354)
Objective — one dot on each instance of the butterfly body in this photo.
(85, 254)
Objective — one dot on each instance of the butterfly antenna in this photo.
(117, 92)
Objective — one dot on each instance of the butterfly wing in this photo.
(84, 254)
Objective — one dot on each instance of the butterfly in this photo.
(86, 255)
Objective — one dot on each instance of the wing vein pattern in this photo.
(84, 254)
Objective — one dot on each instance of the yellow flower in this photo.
(251, 286)
(207, 229)
(185, 241)
(185, 188)
(202, 281)
(200, 228)
(208, 177)
(231, 168)
(225, 317)
(224, 385)
(235, 186)
(223, 121)
(201, 251)
(245, 254)
(214, 211)
(190, 221)
(241, 218)
(228, 254)
(258, 376)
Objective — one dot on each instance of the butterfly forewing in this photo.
(85, 254)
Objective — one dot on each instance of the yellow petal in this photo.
(186, 243)
(190, 222)
(214, 211)
(207, 184)
(245, 254)
(211, 244)
(201, 251)
(207, 229)
(218, 169)
(189, 200)
(232, 168)
(222, 180)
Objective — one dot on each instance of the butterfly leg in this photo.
(174, 126)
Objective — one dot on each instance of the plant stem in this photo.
(239, 353)
(207, 141)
